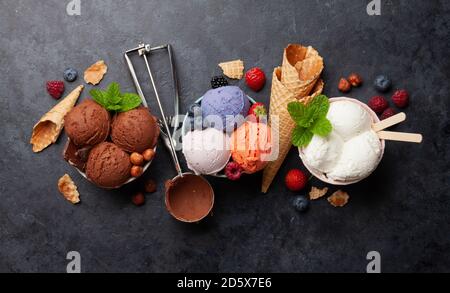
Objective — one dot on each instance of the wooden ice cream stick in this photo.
(397, 118)
(400, 136)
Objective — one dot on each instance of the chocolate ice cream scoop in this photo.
(135, 130)
(76, 156)
(108, 166)
(87, 124)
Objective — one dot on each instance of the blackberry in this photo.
(218, 81)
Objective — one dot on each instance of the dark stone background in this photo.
(402, 210)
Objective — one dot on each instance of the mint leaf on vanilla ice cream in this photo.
(310, 119)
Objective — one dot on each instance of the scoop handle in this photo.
(163, 118)
(135, 80)
(166, 140)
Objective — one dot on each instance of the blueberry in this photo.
(70, 74)
(301, 203)
(195, 110)
(382, 83)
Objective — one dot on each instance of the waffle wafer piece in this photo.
(233, 69)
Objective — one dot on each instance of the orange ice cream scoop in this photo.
(251, 146)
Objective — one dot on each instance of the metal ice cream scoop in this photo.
(189, 197)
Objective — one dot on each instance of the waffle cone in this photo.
(281, 96)
(47, 130)
(316, 90)
(301, 68)
(233, 69)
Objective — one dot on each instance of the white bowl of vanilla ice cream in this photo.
(352, 151)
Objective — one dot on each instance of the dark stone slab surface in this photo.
(401, 211)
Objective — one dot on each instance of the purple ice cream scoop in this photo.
(225, 108)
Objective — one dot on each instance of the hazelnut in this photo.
(136, 171)
(138, 199)
(355, 80)
(136, 159)
(344, 85)
(148, 154)
(150, 186)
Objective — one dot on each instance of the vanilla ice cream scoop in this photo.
(323, 153)
(206, 151)
(359, 157)
(348, 119)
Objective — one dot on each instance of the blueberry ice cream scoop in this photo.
(225, 107)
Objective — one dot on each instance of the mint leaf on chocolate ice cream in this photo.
(129, 101)
(113, 100)
(97, 95)
(112, 107)
(113, 93)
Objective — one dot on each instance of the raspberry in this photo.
(378, 104)
(401, 98)
(388, 113)
(55, 88)
(255, 79)
(218, 81)
(233, 171)
(295, 180)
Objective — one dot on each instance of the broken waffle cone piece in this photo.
(68, 189)
(47, 130)
(95, 73)
(317, 193)
(338, 199)
(233, 69)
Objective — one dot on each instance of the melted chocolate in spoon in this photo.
(189, 198)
